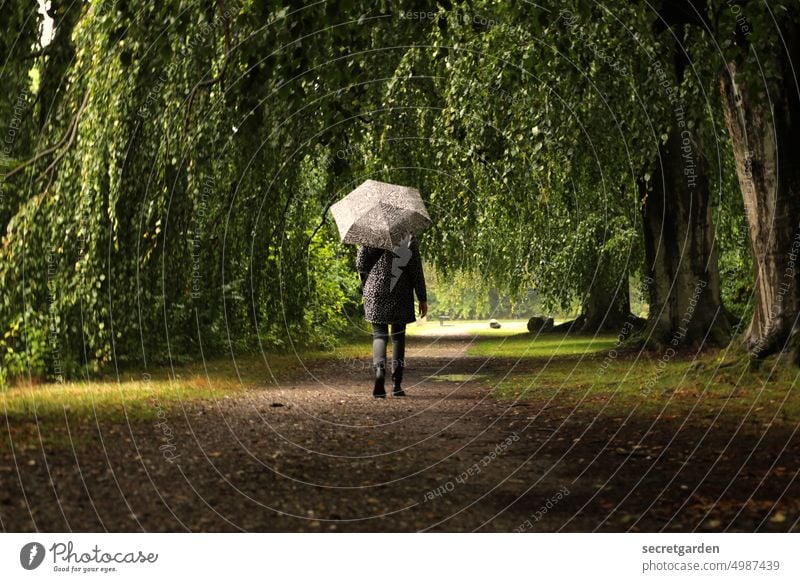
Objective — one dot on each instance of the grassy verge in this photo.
(572, 372)
(542, 346)
(431, 327)
(41, 413)
(704, 388)
(37, 412)
(133, 393)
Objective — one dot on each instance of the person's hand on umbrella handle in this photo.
(423, 308)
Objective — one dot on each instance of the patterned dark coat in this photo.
(389, 281)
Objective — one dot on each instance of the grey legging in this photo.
(380, 336)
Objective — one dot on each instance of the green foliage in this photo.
(462, 295)
(175, 220)
(543, 346)
(190, 151)
(735, 258)
(468, 295)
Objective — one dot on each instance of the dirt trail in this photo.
(318, 453)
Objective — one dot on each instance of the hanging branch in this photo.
(72, 137)
(68, 139)
(349, 114)
(221, 74)
(320, 225)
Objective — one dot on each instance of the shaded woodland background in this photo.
(169, 165)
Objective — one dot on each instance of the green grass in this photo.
(37, 410)
(582, 372)
(137, 391)
(134, 395)
(574, 371)
(468, 327)
(131, 398)
(545, 345)
(135, 387)
(660, 389)
(460, 378)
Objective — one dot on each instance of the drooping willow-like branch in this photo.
(68, 139)
(221, 75)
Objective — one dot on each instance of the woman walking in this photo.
(389, 280)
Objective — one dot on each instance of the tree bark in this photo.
(764, 133)
(606, 307)
(681, 264)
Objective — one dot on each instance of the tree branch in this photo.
(221, 75)
(320, 225)
(71, 141)
(344, 111)
(69, 138)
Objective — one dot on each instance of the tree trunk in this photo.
(682, 275)
(494, 302)
(765, 137)
(606, 307)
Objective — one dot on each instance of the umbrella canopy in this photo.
(380, 215)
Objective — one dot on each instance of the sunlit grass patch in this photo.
(61, 415)
(658, 389)
(134, 393)
(466, 327)
(131, 399)
(461, 378)
(352, 348)
(543, 345)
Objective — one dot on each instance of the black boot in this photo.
(397, 379)
(380, 380)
